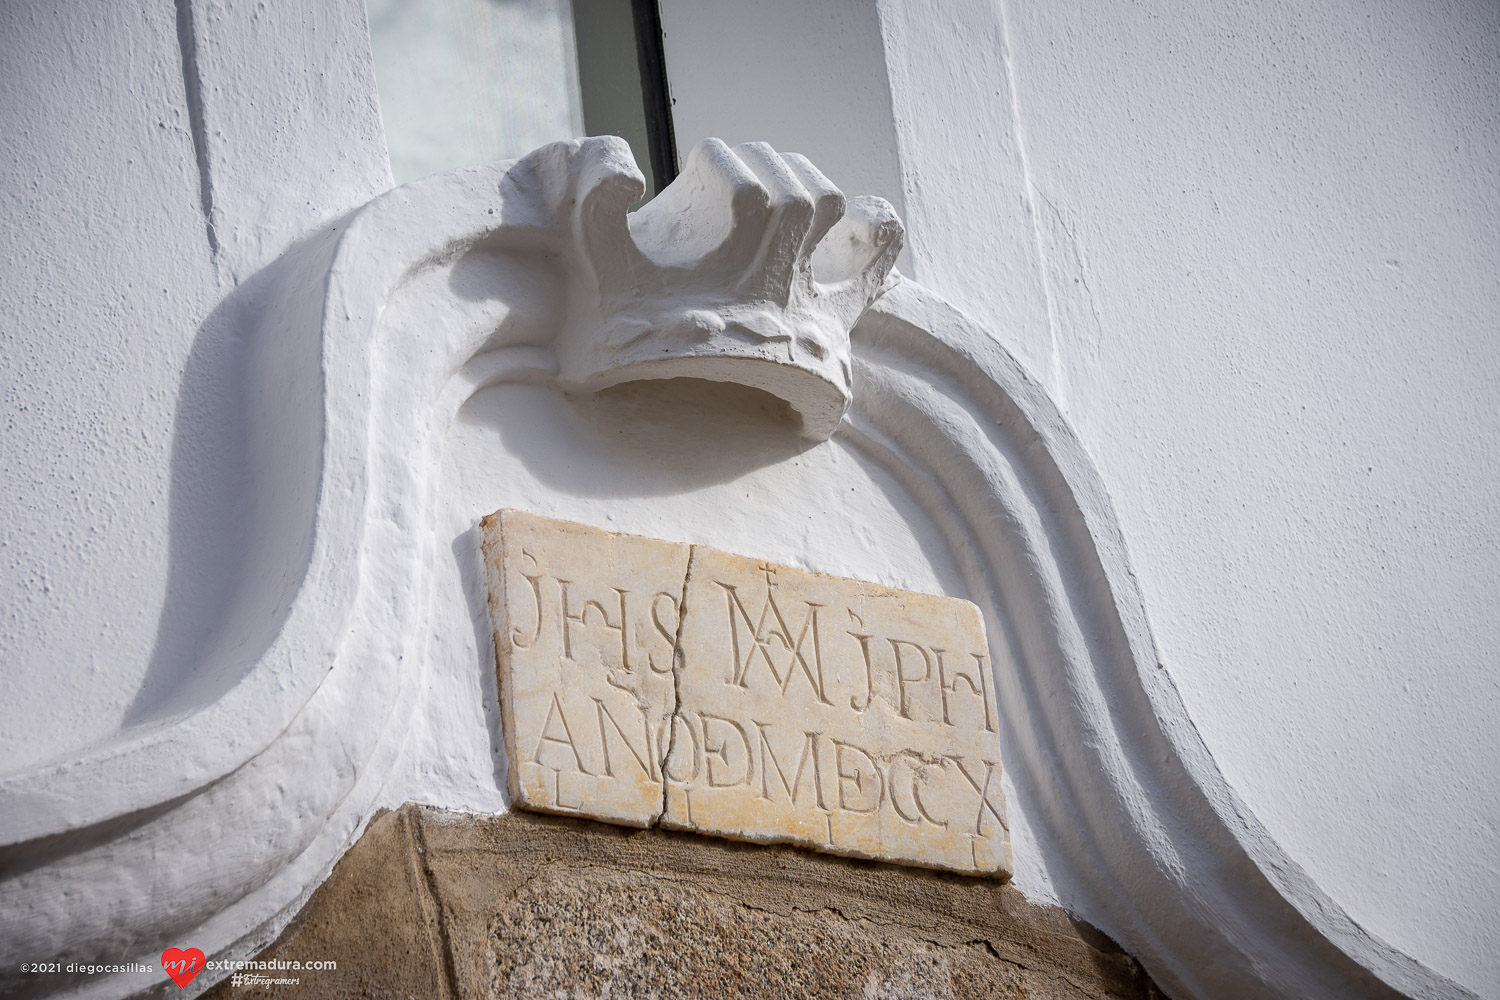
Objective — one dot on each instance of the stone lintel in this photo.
(442, 905)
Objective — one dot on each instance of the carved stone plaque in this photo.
(647, 682)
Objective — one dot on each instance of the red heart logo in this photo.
(181, 965)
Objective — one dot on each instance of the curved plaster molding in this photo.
(1159, 850)
(104, 856)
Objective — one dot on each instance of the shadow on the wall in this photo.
(470, 559)
(246, 453)
(640, 439)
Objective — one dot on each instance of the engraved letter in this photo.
(918, 780)
(858, 778)
(983, 792)
(566, 739)
(980, 688)
(800, 660)
(677, 750)
(768, 757)
(640, 758)
(670, 634)
(864, 647)
(901, 679)
(580, 619)
(711, 752)
(914, 817)
(536, 595)
(760, 637)
(737, 671)
(986, 681)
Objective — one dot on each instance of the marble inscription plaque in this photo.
(647, 682)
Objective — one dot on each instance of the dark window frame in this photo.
(656, 96)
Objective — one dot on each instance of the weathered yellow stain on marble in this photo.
(645, 681)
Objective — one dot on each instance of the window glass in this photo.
(469, 81)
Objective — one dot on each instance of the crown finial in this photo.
(750, 267)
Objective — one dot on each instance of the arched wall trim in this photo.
(359, 368)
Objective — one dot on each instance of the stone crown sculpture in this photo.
(750, 267)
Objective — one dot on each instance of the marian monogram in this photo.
(768, 639)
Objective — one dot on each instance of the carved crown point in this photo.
(750, 267)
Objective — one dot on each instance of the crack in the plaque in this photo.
(677, 665)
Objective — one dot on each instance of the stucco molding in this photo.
(1159, 850)
(218, 824)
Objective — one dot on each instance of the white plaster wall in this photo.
(1271, 236)
(107, 272)
(148, 172)
(685, 460)
(1254, 250)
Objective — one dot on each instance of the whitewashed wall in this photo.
(1271, 237)
(1254, 251)
(96, 160)
(143, 189)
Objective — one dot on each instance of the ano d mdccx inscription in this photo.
(645, 682)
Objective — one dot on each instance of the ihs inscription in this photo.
(647, 682)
